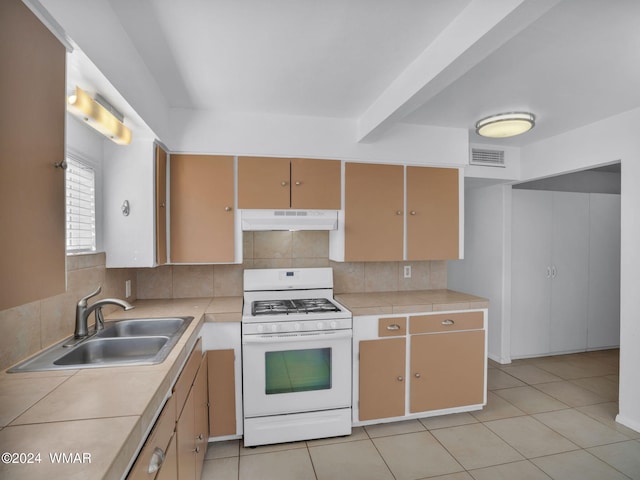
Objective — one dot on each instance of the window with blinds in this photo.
(80, 213)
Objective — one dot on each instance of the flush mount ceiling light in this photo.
(100, 115)
(505, 125)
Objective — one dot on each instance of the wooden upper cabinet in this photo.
(202, 213)
(374, 205)
(301, 183)
(433, 213)
(161, 205)
(32, 199)
(315, 184)
(264, 182)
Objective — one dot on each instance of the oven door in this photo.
(299, 372)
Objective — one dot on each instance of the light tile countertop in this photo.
(386, 303)
(103, 412)
(107, 412)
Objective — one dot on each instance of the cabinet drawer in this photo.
(149, 461)
(184, 382)
(392, 327)
(446, 322)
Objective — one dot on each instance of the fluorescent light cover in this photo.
(505, 124)
(86, 108)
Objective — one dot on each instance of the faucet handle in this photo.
(83, 301)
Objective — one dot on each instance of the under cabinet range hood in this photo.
(289, 219)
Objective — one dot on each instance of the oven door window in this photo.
(292, 371)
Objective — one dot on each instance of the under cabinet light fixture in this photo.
(103, 118)
(505, 125)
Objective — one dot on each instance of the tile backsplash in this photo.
(28, 328)
(282, 250)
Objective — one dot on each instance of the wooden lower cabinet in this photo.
(447, 370)
(222, 392)
(192, 428)
(440, 364)
(169, 470)
(382, 385)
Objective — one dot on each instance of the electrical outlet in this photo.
(127, 288)
(407, 271)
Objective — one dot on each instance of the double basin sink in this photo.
(139, 341)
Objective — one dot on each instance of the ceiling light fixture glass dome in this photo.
(505, 125)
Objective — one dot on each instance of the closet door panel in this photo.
(570, 272)
(603, 326)
(531, 285)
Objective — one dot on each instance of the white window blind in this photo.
(80, 214)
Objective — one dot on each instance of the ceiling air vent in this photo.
(487, 158)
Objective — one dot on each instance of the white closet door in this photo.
(531, 259)
(604, 274)
(569, 272)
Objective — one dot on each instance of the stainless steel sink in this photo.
(136, 341)
(142, 327)
(113, 350)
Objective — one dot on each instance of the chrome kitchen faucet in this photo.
(83, 311)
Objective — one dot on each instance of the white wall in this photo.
(487, 255)
(600, 143)
(197, 131)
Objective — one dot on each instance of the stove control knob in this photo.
(260, 328)
(274, 328)
(297, 326)
(333, 325)
(320, 325)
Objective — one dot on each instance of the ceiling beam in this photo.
(480, 29)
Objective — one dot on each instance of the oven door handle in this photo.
(296, 337)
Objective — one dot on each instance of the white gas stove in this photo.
(296, 342)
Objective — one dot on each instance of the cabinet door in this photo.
(32, 243)
(202, 213)
(169, 469)
(569, 272)
(604, 271)
(374, 212)
(531, 272)
(185, 439)
(447, 370)
(433, 221)
(264, 182)
(222, 396)
(315, 184)
(161, 205)
(201, 415)
(382, 383)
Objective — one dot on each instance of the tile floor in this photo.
(550, 417)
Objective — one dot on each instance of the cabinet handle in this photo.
(284, 184)
(448, 321)
(162, 205)
(227, 209)
(393, 326)
(400, 378)
(196, 450)
(62, 165)
(548, 272)
(199, 437)
(413, 212)
(157, 457)
(418, 375)
(298, 183)
(398, 212)
(554, 272)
